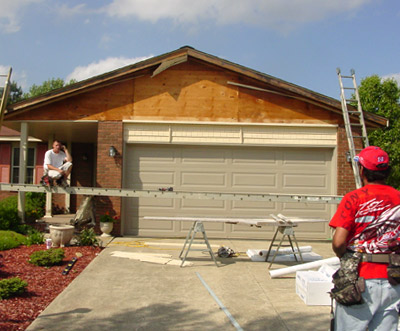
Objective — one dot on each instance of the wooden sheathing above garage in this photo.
(184, 85)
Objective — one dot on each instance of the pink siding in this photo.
(5, 162)
(40, 151)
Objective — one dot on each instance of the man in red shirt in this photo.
(358, 209)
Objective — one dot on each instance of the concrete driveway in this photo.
(117, 293)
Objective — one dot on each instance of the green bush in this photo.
(9, 219)
(11, 287)
(34, 206)
(34, 209)
(47, 258)
(87, 237)
(34, 237)
(11, 239)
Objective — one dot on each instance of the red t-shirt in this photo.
(359, 208)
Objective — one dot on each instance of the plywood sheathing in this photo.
(185, 92)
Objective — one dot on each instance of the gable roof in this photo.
(157, 64)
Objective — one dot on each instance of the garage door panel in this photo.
(210, 227)
(190, 204)
(253, 206)
(225, 169)
(300, 181)
(155, 203)
(254, 158)
(203, 179)
(204, 156)
(154, 177)
(250, 181)
(307, 207)
(314, 158)
(149, 157)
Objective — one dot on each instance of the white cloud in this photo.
(396, 77)
(278, 14)
(102, 66)
(11, 13)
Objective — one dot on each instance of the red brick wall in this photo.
(109, 169)
(345, 176)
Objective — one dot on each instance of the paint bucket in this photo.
(48, 243)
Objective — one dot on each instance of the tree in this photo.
(16, 93)
(47, 86)
(382, 97)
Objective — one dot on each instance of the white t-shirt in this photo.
(56, 160)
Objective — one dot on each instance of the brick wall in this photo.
(345, 176)
(109, 169)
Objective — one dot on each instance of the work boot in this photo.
(45, 181)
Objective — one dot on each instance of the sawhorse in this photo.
(196, 227)
(285, 227)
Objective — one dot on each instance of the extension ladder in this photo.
(353, 121)
(5, 90)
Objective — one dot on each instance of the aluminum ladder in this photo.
(353, 120)
(5, 91)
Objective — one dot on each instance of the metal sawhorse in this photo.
(285, 227)
(196, 227)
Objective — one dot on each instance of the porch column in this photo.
(67, 195)
(23, 154)
(49, 195)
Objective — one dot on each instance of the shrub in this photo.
(11, 239)
(9, 219)
(47, 258)
(87, 237)
(34, 237)
(34, 209)
(11, 287)
(34, 206)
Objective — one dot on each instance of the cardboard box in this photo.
(313, 287)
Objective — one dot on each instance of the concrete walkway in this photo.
(115, 293)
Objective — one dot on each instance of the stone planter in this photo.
(61, 234)
(106, 228)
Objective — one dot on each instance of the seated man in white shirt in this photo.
(57, 165)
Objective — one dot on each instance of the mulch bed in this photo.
(44, 284)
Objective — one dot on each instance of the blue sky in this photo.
(300, 41)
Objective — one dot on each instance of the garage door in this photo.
(224, 169)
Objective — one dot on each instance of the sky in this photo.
(299, 41)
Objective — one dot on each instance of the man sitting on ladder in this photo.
(57, 165)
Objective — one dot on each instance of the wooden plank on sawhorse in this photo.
(285, 227)
(196, 228)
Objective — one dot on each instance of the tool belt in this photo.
(393, 269)
(347, 285)
(376, 258)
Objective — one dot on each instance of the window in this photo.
(30, 166)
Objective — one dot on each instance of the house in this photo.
(195, 122)
(9, 158)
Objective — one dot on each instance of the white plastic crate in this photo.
(313, 287)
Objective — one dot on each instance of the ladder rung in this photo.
(349, 88)
(354, 112)
(363, 137)
(355, 124)
(351, 100)
(347, 76)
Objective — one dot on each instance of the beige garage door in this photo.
(225, 169)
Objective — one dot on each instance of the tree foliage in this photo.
(382, 97)
(47, 86)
